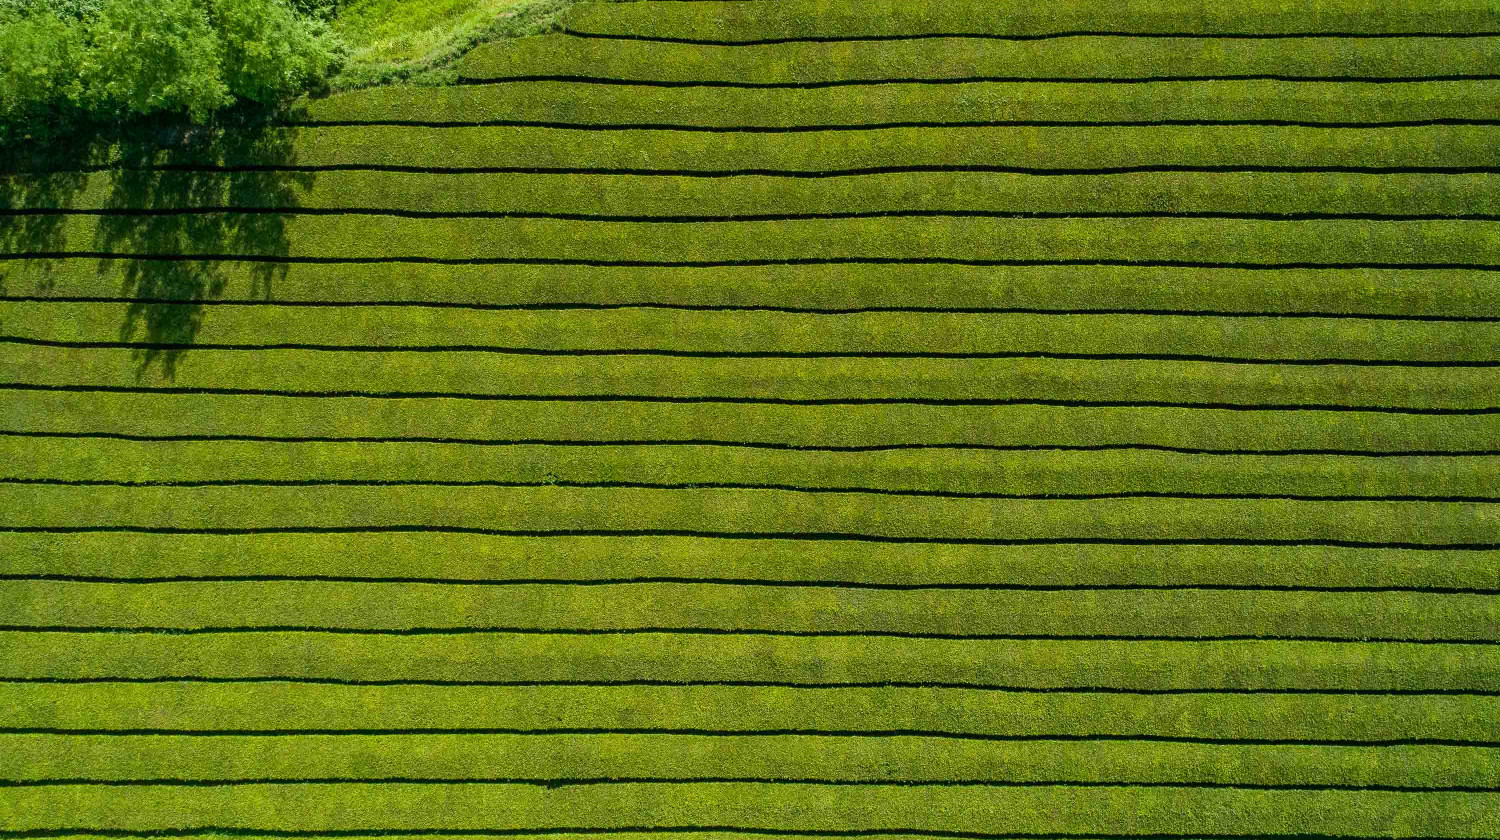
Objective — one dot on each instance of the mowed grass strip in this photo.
(938, 58)
(304, 374)
(610, 760)
(749, 20)
(304, 706)
(1325, 666)
(669, 332)
(742, 513)
(1302, 99)
(1189, 242)
(824, 290)
(692, 200)
(690, 607)
(458, 558)
(757, 425)
(918, 472)
(807, 808)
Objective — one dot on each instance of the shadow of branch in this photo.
(26, 233)
(177, 200)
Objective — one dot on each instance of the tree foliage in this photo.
(38, 68)
(271, 51)
(66, 61)
(158, 56)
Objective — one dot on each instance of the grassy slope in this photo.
(419, 41)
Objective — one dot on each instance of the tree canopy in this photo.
(63, 62)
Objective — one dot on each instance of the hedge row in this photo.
(484, 374)
(747, 512)
(1045, 148)
(675, 757)
(261, 706)
(751, 19)
(839, 425)
(1441, 243)
(1401, 292)
(696, 606)
(968, 472)
(783, 332)
(466, 556)
(1085, 57)
(668, 196)
(794, 808)
(989, 102)
(1134, 664)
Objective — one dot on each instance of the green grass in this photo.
(419, 41)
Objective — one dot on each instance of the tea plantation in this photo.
(810, 418)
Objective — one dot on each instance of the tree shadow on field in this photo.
(176, 200)
(39, 234)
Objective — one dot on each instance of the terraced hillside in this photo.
(734, 418)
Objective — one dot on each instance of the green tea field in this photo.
(727, 419)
